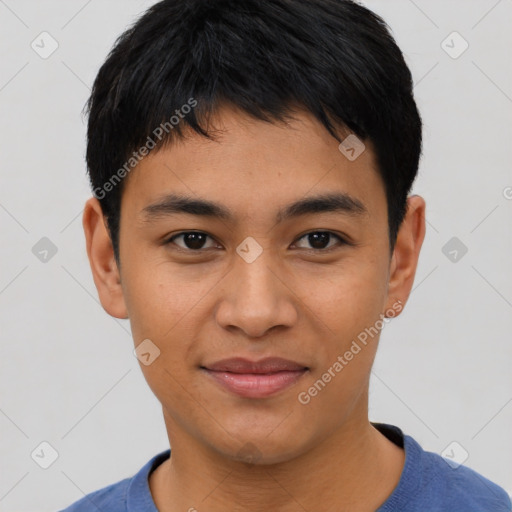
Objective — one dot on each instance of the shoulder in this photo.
(129, 495)
(111, 498)
(456, 487)
(434, 483)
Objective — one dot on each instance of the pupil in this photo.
(194, 240)
(319, 240)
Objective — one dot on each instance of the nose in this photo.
(256, 298)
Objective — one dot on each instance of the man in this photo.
(251, 163)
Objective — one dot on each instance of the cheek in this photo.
(154, 315)
(158, 298)
(162, 310)
(347, 299)
(348, 312)
(165, 304)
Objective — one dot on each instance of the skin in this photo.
(292, 302)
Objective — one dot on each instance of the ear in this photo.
(101, 258)
(406, 253)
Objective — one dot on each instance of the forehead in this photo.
(251, 165)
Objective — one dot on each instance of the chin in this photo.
(259, 449)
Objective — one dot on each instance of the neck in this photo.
(340, 469)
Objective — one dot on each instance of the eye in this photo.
(192, 240)
(319, 240)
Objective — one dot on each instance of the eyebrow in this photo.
(173, 204)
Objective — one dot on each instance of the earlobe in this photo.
(406, 252)
(101, 258)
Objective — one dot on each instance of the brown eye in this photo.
(320, 240)
(191, 240)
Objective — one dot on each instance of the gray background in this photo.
(68, 375)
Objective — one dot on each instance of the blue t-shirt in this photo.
(428, 483)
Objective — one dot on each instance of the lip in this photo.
(255, 379)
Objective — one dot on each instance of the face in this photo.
(288, 259)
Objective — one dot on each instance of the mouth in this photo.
(255, 379)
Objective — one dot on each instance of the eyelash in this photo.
(341, 241)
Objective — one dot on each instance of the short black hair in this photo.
(183, 59)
